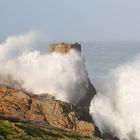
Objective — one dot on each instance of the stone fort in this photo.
(64, 47)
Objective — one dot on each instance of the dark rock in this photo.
(84, 104)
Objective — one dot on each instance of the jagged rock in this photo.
(84, 104)
(36, 108)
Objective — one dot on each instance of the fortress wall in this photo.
(64, 47)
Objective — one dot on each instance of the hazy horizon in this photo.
(91, 20)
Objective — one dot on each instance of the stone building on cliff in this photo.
(64, 47)
(84, 104)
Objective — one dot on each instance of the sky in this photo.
(72, 20)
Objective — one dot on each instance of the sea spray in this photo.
(116, 109)
(24, 65)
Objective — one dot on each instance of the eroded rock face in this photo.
(43, 108)
(84, 104)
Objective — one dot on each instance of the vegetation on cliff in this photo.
(36, 108)
(10, 130)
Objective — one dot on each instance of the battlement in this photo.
(64, 47)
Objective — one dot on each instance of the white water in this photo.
(24, 65)
(116, 107)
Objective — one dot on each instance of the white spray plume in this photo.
(117, 108)
(23, 64)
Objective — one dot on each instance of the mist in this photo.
(25, 66)
(115, 109)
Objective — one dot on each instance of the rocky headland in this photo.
(23, 110)
(23, 106)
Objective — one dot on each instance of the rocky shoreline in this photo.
(43, 109)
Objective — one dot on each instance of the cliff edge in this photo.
(43, 108)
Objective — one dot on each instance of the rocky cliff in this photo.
(84, 104)
(43, 108)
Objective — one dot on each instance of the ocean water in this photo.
(114, 109)
(103, 56)
(114, 69)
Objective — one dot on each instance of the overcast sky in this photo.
(72, 20)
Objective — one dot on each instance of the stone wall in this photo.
(64, 47)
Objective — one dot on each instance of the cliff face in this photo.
(84, 104)
(25, 106)
(43, 108)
